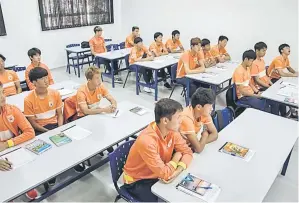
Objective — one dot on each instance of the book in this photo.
(138, 110)
(200, 188)
(38, 146)
(60, 139)
(237, 150)
(76, 132)
(18, 157)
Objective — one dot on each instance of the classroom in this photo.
(149, 101)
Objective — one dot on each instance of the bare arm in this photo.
(198, 145)
(59, 116)
(18, 87)
(92, 50)
(212, 131)
(201, 69)
(35, 125)
(246, 93)
(87, 111)
(289, 74)
(261, 82)
(253, 87)
(291, 69)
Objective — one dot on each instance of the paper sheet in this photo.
(249, 155)
(158, 61)
(19, 157)
(288, 91)
(208, 74)
(116, 114)
(64, 92)
(77, 133)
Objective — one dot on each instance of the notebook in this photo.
(76, 133)
(64, 92)
(237, 150)
(60, 139)
(18, 157)
(138, 110)
(38, 146)
(199, 188)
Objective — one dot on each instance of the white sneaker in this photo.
(118, 79)
(147, 90)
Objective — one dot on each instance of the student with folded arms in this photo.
(197, 126)
(209, 60)
(219, 52)
(159, 152)
(174, 44)
(129, 43)
(9, 79)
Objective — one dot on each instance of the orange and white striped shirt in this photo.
(242, 77)
(8, 79)
(30, 67)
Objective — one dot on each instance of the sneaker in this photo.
(79, 168)
(32, 194)
(117, 79)
(52, 182)
(147, 90)
(167, 85)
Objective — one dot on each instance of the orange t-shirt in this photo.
(208, 55)
(150, 155)
(189, 58)
(31, 66)
(129, 43)
(158, 49)
(14, 126)
(173, 46)
(98, 44)
(218, 51)
(137, 54)
(43, 109)
(8, 79)
(242, 77)
(258, 69)
(278, 63)
(91, 99)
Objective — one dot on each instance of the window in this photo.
(2, 26)
(60, 14)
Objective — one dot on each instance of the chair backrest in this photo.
(127, 60)
(173, 72)
(19, 68)
(231, 96)
(122, 45)
(109, 47)
(107, 40)
(222, 118)
(118, 159)
(72, 45)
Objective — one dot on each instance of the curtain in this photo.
(60, 14)
(2, 25)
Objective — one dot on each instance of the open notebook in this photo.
(18, 157)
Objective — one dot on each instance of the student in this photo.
(152, 155)
(197, 126)
(206, 48)
(280, 66)
(130, 39)
(174, 44)
(90, 94)
(140, 53)
(191, 62)
(9, 79)
(159, 49)
(97, 46)
(35, 56)
(43, 106)
(219, 51)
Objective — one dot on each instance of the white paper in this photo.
(64, 92)
(288, 84)
(115, 114)
(19, 157)
(249, 155)
(77, 133)
(208, 74)
(158, 61)
(288, 91)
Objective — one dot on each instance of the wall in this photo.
(23, 29)
(244, 22)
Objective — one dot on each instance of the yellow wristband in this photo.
(182, 164)
(173, 164)
(10, 143)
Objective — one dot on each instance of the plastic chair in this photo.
(131, 68)
(222, 118)
(174, 83)
(19, 68)
(122, 45)
(117, 160)
(109, 47)
(232, 101)
(108, 40)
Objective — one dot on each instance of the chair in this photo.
(222, 118)
(117, 160)
(22, 83)
(131, 68)
(231, 100)
(122, 45)
(108, 40)
(109, 47)
(174, 83)
(19, 68)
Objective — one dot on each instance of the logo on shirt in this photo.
(169, 143)
(99, 96)
(10, 118)
(50, 104)
(9, 77)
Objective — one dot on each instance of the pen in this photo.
(116, 113)
(8, 161)
(68, 128)
(207, 188)
(61, 88)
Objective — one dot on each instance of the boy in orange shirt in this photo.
(9, 79)
(35, 56)
(206, 48)
(159, 49)
(152, 155)
(197, 126)
(129, 43)
(219, 52)
(280, 66)
(174, 44)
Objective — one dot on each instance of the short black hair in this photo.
(222, 37)
(3, 57)
(137, 40)
(96, 29)
(37, 73)
(157, 34)
(249, 54)
(175, 32)
(33, 51)
(166, 108)
(195, 41)
(203, 96)
(260, 45)
(135, 28)
(282, 46)
(205, 42)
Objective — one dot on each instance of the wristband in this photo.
(10, 143)
(173, 164)
(182, 164)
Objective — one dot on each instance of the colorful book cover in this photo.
(60, 139)
(38, 146)
(235, 150)
(195, 185)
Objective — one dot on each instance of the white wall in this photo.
(244, 22)
(22, 21)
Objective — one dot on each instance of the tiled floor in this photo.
(98, 187)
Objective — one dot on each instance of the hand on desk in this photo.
(108, 109)
(113, 107)
(5, 165)
(3, 146)
(174, 175)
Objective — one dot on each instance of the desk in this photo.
(111, 57)
(59, 159)
(239, 180)
(18, 99)
(156, 65)
(271, 92)
(223, 76)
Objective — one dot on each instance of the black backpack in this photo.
(84, 44)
